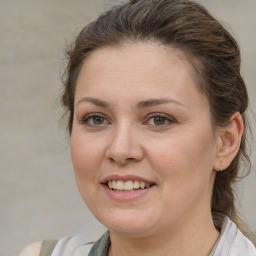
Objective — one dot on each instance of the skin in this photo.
(154, 123)
(32, 250)
(179, 155)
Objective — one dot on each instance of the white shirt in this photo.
(230, 243)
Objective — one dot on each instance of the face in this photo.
(143, 146)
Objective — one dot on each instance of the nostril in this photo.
(124, 149)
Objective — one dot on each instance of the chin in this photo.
(130, 230)
(131, 223)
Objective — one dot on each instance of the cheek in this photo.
(185, 161)
(86, 156)
(185, 171)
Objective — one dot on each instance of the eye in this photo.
(94, 120)
(159, 119)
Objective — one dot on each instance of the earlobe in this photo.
(229, 139)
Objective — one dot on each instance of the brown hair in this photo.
(210, 48)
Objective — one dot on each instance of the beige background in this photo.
(38, 195)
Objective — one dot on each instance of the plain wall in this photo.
(38, 194)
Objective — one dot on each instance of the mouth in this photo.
(128, 186)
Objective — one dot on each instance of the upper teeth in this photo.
(127, 185)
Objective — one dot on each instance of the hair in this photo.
(213, 52)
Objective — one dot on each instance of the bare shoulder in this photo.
(32, 249)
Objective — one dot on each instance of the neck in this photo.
(190, 239)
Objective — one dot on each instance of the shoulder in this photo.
(233, 242)
(243, 245)
(78, 244)
(32, 249)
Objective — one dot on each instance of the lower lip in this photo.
(126, 196)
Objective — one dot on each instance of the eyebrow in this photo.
(155, 102)
(140, 105)
(97, 102)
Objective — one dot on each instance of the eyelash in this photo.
(91, 117)
(160, 115)
(85, 120)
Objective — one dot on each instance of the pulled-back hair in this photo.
(213, 52)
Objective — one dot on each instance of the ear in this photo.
(229, 139)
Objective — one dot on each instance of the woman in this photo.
(156, 107)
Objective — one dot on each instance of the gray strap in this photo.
(48, 247)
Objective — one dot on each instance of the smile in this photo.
(119, 185)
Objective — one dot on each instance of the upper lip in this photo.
(126, 178)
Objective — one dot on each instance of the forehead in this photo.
(144, 68)
(138, 52)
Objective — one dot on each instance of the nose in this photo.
(124, 146)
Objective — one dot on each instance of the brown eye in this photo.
(98, 120)
(94, 120)
(159, 120)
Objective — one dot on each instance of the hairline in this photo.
(181, 52)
